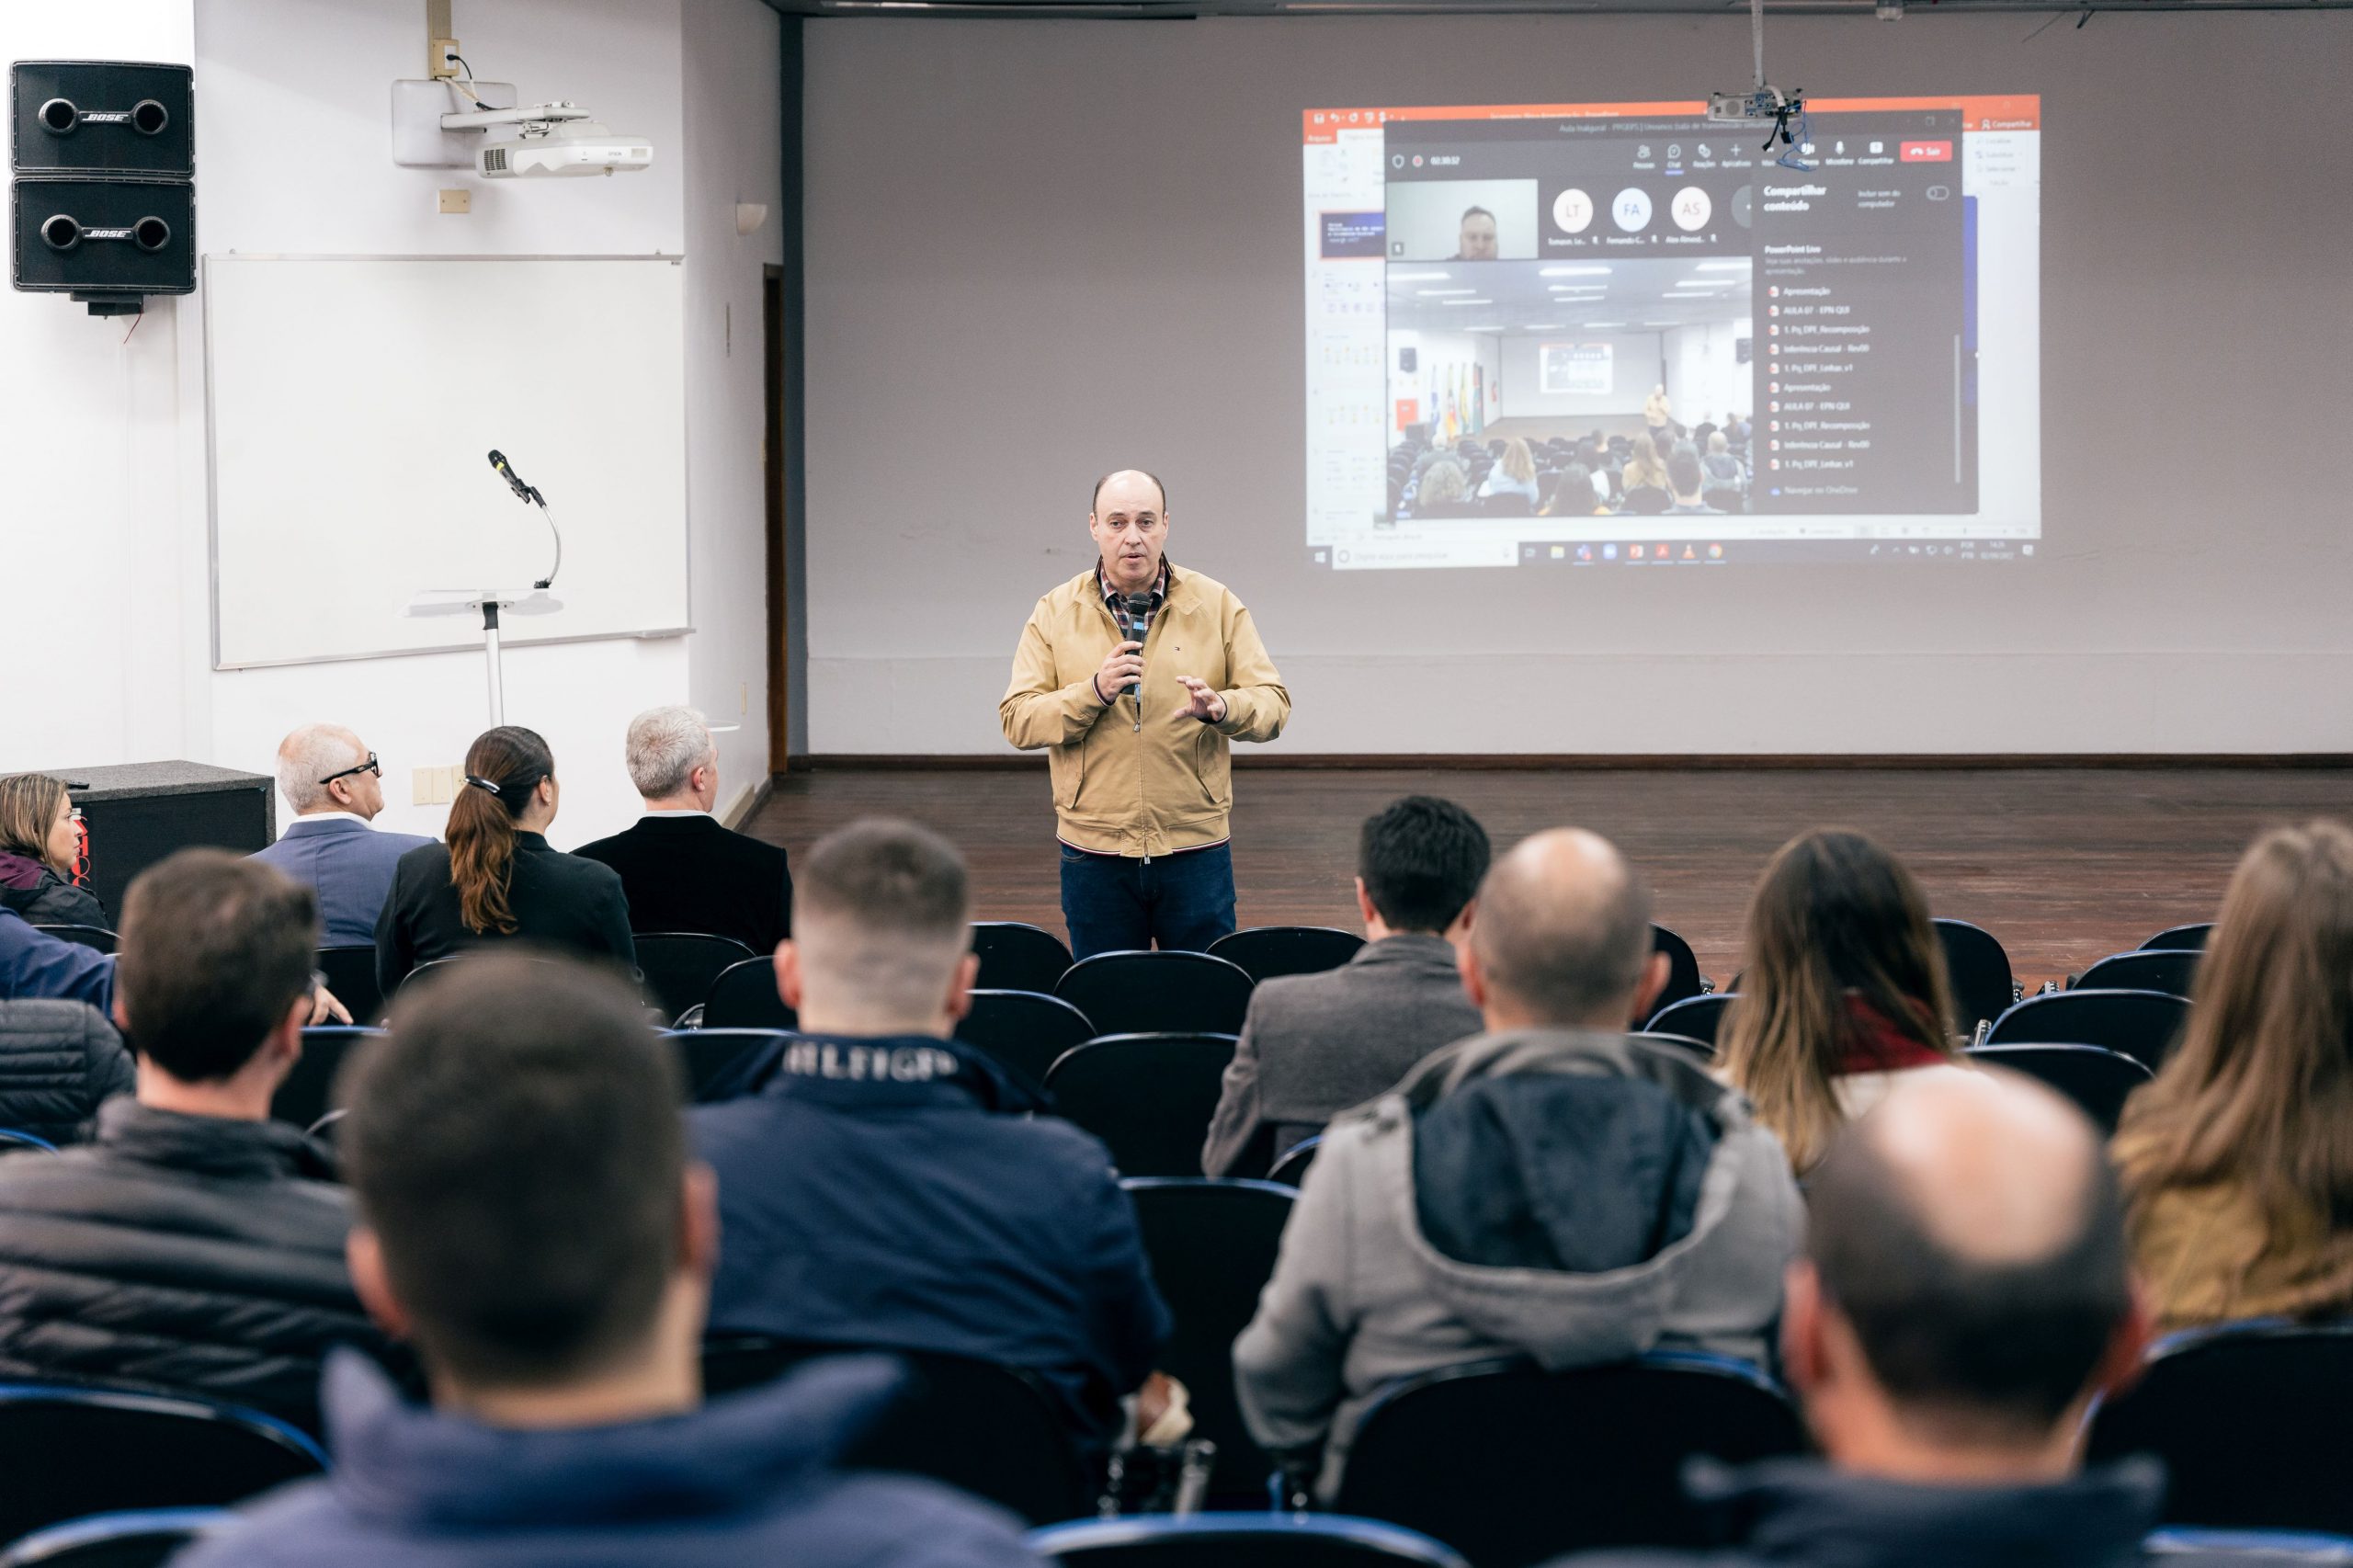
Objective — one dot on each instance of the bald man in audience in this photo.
(1963, 1296)
(1489, 1204)
(336, 787)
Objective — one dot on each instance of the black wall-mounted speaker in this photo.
(102, 118)
(104, 236)
(1407, 358)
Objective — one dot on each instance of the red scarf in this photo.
(1876, 1045)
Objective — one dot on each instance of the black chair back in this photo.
(2192, 937)
(69, 1451)
(306, 1094)
(679, 967)
(2140, 1023)
(1159, 992)
(990, 1431)
(1266, 952)
(2249, 1419)
(1239, 1541)
(351, 975)
(134, 1537)
(1697, 1017)
(744, 997)
(96, 937)
(1213, 1246)
(2168, 969)
(1463, 1454)
(1292, 1168)
(1024, 1031)
(1683, 978)
(722, 1064)
(1015, 957)
(2098, 1081)
(1979, 970)
(1148, 1097)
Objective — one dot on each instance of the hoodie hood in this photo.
(415, 1468)
(1589, 1194)
(21, 873)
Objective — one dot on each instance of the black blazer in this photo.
(559, 900)
(685, 872)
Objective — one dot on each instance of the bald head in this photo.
(1564, 934)
(1129, 517)
(1969, 1231)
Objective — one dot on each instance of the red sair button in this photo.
(1927, 151)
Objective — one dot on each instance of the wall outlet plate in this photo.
(418, 141)
(459, 200)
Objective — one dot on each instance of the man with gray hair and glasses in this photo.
(681, 870)
(336, 788)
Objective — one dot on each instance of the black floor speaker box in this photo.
(102, 116)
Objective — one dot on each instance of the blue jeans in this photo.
(1113, 903)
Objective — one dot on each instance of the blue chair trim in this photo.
(2295, 1543)
(92, 1529)
(1084, 1534)
(30, 1141)
(163, 1404)
(1146, 1184)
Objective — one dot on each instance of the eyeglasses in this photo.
(366, 767)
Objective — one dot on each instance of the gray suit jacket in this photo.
(350, 863)
(1315, 1045)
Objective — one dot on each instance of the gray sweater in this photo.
(1360, 1297)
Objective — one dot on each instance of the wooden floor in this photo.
(2063, 866)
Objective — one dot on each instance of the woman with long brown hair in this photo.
(496, 878)
(2238, 1159)
(1845, 989)
(38, 845)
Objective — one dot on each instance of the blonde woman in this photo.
(37, 848)
(1514, 474)
(1644, 466)
(1844, 990)
(2238, 1160)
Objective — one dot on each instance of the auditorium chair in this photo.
(1212, 1245)
(1978, 971)
(1015, 957)
(745, 996)
(303, 1096)
(2168, 969)
(2142, 1025)
(1694, 1017)
(1239, 1541)
(351, 974)
(1724, 500)
(1148, 1097)
(1290, 1168)
(69, 1450)
(1684, 980)
(1699, 1049)
(1513, 1465)
(12, 1142)
(1143, 993)
(2269, 1548)
(131, 1538)
(679, 967)
(1023, 1030)
(2250, 1420)
(1508, 504)
(2191, 937)
(2097, 1081)
(994, 1431)
(96, 937)
(724, 1064)
(1268, 953)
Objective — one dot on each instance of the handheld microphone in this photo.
(1139, 608)
(522, 491)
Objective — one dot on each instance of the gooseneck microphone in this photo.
(522, 491)
(530, 494)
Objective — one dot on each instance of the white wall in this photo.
(292, 148)
(1106, 277)
(1634, 370)
(1705, 377)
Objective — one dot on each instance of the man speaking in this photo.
(1135, 676)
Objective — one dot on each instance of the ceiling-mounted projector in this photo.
(554, 141)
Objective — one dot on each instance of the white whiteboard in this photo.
(352, 402)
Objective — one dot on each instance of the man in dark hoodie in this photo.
(1551, 1188)
(1963, 1295)
(529, 1219)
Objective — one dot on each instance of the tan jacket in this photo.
(1125, 786)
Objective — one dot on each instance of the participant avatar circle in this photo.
(1632, 211)
(1691, 208)
(1572, 211)
(1743, 205)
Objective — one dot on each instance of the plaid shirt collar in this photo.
(1131, 628)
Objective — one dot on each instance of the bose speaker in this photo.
(103, 204)
(1407, 360)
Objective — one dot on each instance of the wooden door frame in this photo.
(776, 463)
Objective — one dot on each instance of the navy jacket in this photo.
(745, 1479)
(683, 871)
(890, 1193)
(350, 865)
(35, 964)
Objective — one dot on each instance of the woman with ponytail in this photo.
(495, 877)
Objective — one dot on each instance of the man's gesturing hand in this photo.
(1124, 664)
(1201, 701)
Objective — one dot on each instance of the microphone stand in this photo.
(548, 581)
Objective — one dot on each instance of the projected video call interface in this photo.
(1596, 334)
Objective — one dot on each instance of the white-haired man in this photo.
(682, 870)
(335, 789)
